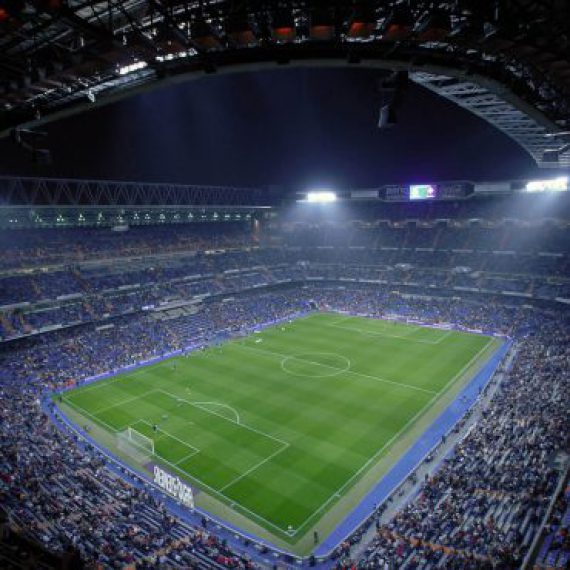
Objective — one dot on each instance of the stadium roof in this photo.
(506, 61)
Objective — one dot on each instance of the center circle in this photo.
(315, 364)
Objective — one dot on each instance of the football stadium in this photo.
(285, 285)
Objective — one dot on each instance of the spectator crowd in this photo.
(83, 303)
(480, 510)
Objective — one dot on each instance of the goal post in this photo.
(140, 440)
(135, 444)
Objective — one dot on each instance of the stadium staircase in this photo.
(21, 323)
(437, 237)
(266, 273)
(36, 288)
(505, 240)
(84, 284)
(407, 236)
(88, 307)
(6, 324)
(554, 550)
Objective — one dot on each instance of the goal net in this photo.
(135, 444)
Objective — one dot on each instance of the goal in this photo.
(135, 444)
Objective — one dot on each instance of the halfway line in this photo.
(375, 378)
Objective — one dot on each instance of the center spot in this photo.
(315, 364)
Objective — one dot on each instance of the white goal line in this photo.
(162, 431)
(403, 336)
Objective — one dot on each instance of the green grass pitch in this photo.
(282, 424)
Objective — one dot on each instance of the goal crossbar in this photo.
(140, 440)
(137, 445)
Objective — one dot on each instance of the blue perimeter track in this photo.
(413, 457)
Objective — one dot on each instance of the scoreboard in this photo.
(428, 192)
(423, 192)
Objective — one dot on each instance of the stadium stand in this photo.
(158, 289)
(555, 548)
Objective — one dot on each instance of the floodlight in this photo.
(321, 197)
(135, 66)
(559, 184)
(362, 22)
(399, 24)
(283, 27)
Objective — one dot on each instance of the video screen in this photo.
(422, 192)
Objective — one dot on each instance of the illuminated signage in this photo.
(174, 486)
(422, 192)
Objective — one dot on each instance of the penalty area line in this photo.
(168, 434)
(122, 402)
(256, 466)
(82, 410)
(240, 507)
(245, 426)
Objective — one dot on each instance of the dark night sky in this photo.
(294, 127)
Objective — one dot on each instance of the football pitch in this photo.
(285, 430)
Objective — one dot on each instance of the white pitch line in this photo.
(116, 377)
(193, 477)
(256, 466)
(348, 371)
(348, 482)
(168, 434)
(205, 485)
(97, 384)
(228, 499)
(378, 333)
(83, 411)
(220, 405)
(186, 457)
(245, 426)
(443, 337)
(346, 318)
(107, 408)
(391, 440)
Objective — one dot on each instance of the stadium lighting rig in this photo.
(146, 42)
(321, 197)
(559, 184)
(135, 66)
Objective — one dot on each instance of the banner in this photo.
(174, 486)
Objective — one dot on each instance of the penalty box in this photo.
(204, 440)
